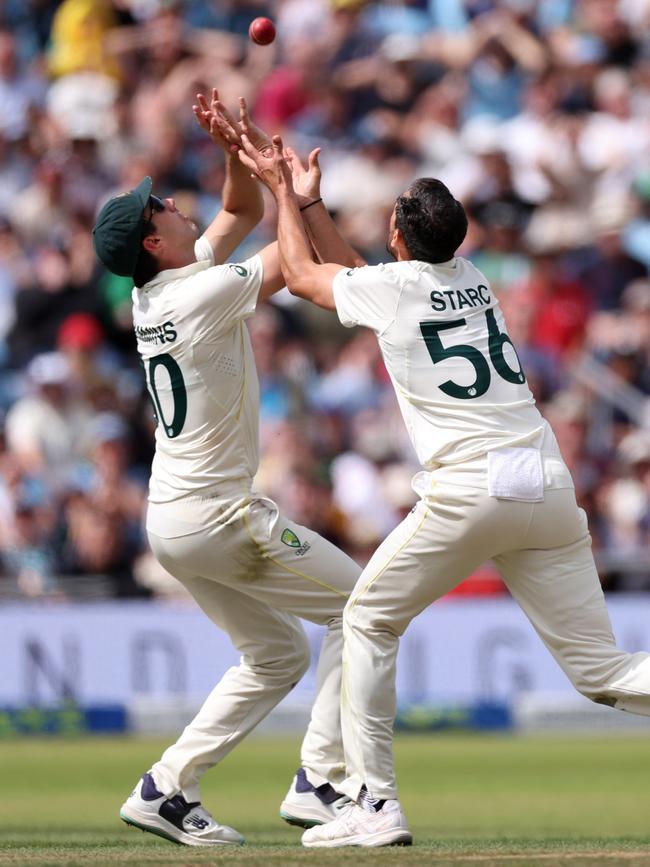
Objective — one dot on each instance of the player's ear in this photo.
(151, 244)
(398, 244)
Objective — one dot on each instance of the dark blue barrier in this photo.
(67, 719)
(482, 716)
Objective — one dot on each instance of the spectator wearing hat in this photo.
(45, 427)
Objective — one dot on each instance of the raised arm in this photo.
(273, 277)
(304, 277)
(242, 205)
(328, 243)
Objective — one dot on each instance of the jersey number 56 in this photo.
(497, 340)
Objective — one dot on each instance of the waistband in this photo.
(225, 491)
(474, 473)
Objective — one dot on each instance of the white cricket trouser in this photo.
(543, 551)
(254, 586)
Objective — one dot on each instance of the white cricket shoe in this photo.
(174, 818)
(355, 826)
(307, 805)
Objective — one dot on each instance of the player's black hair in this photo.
(147, 265)
(432, 222)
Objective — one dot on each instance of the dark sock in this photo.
(372, 805)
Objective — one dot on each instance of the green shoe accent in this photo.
(299, 823)
(155, 831)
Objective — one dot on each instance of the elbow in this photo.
(254, 216)
(295, 286)
(311, 292)
(257, 212)
(248, 216)
(297, 275)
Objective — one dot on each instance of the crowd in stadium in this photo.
(535, 114)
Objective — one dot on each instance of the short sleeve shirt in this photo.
(200, 372)
(459, 382)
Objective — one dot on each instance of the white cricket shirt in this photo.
(457, 376)
(200, 373)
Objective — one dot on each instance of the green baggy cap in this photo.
(117, 234)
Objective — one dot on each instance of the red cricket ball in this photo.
(262, 31)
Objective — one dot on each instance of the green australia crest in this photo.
(289, 538)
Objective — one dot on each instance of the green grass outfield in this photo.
(470, 800)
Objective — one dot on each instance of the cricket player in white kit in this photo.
(252, 570)
(493, 483)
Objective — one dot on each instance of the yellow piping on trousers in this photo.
(288, 568)
(356, 598)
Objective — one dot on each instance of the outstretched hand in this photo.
(223, 128)
(269, 165)
(207, 117)
(232, 129)
(306, 181)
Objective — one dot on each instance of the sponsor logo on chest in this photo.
(165, 333)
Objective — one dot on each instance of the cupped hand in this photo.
(306, 181)
(268, 165)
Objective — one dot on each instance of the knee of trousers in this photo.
(291, 666)
(594, 685)
(360, 619)
(602, 696)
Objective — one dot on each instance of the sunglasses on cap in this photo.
(156, 205)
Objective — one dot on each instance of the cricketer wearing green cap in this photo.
(253, 571)
(119, 229)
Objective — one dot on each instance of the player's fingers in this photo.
(202, 101)
(215, 96)
(245, 160)
(278, 147)
(223, 111)
(215, 127)
(313, 160)
(244, 117)
(215, 123)
(295, 160)
(229, 131)
(200, 116)
(248, 148)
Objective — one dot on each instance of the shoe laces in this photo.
(347, 818)
(343, 803)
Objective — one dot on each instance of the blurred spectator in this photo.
(562, 305)
(27, 533)
(97, 544)
(45, 428)
(636, 235)
(535, 114)
(22, 90)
